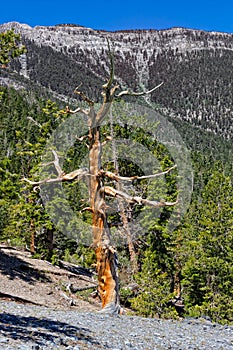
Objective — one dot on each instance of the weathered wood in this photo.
(143, 93)
(135, 199)
(117, 177)
(106, 256)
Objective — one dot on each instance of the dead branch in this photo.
(35, 122)
(75, 174)
(82, 137)
(64, 177)
(112, 68)
(48, 180)
(83, 96)
(104, 108)
(131, 93)
(115, 177)
(87, 209)
(110, 191)
(107, 139)
(56, 163)
(108, 97)
(84, 111)
(108, 92)
(67, 298)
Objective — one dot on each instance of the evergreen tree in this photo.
(207, 273)
(10, 47)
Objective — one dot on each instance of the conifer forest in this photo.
(179, 270)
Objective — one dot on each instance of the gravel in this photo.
(27, 327)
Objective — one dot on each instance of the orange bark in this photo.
(107, 284)
(105, 254)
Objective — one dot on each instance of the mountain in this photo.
(195, 66)
(188, 253)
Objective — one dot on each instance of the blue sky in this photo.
(114, 15)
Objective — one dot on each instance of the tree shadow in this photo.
(37, 330)
(14, 267)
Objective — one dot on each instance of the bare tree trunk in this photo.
(105, 253)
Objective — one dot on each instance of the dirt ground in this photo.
(28, 280)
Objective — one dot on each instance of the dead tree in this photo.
(106, 255)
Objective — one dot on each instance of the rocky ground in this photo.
(39, 311)
(35, 281)
(28, 327)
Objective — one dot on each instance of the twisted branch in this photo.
(110, 191)
(83, 96)
(62, 176)
(131, 93)
(115, 177)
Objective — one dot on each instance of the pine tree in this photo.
(207, 273)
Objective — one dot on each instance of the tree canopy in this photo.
(10, 47)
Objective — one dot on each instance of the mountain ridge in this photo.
(16, 24)
(194, 65)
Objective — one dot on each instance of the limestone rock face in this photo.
(195, 66)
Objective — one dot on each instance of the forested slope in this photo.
(184, 270)
(195, 66)
(187, 271)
